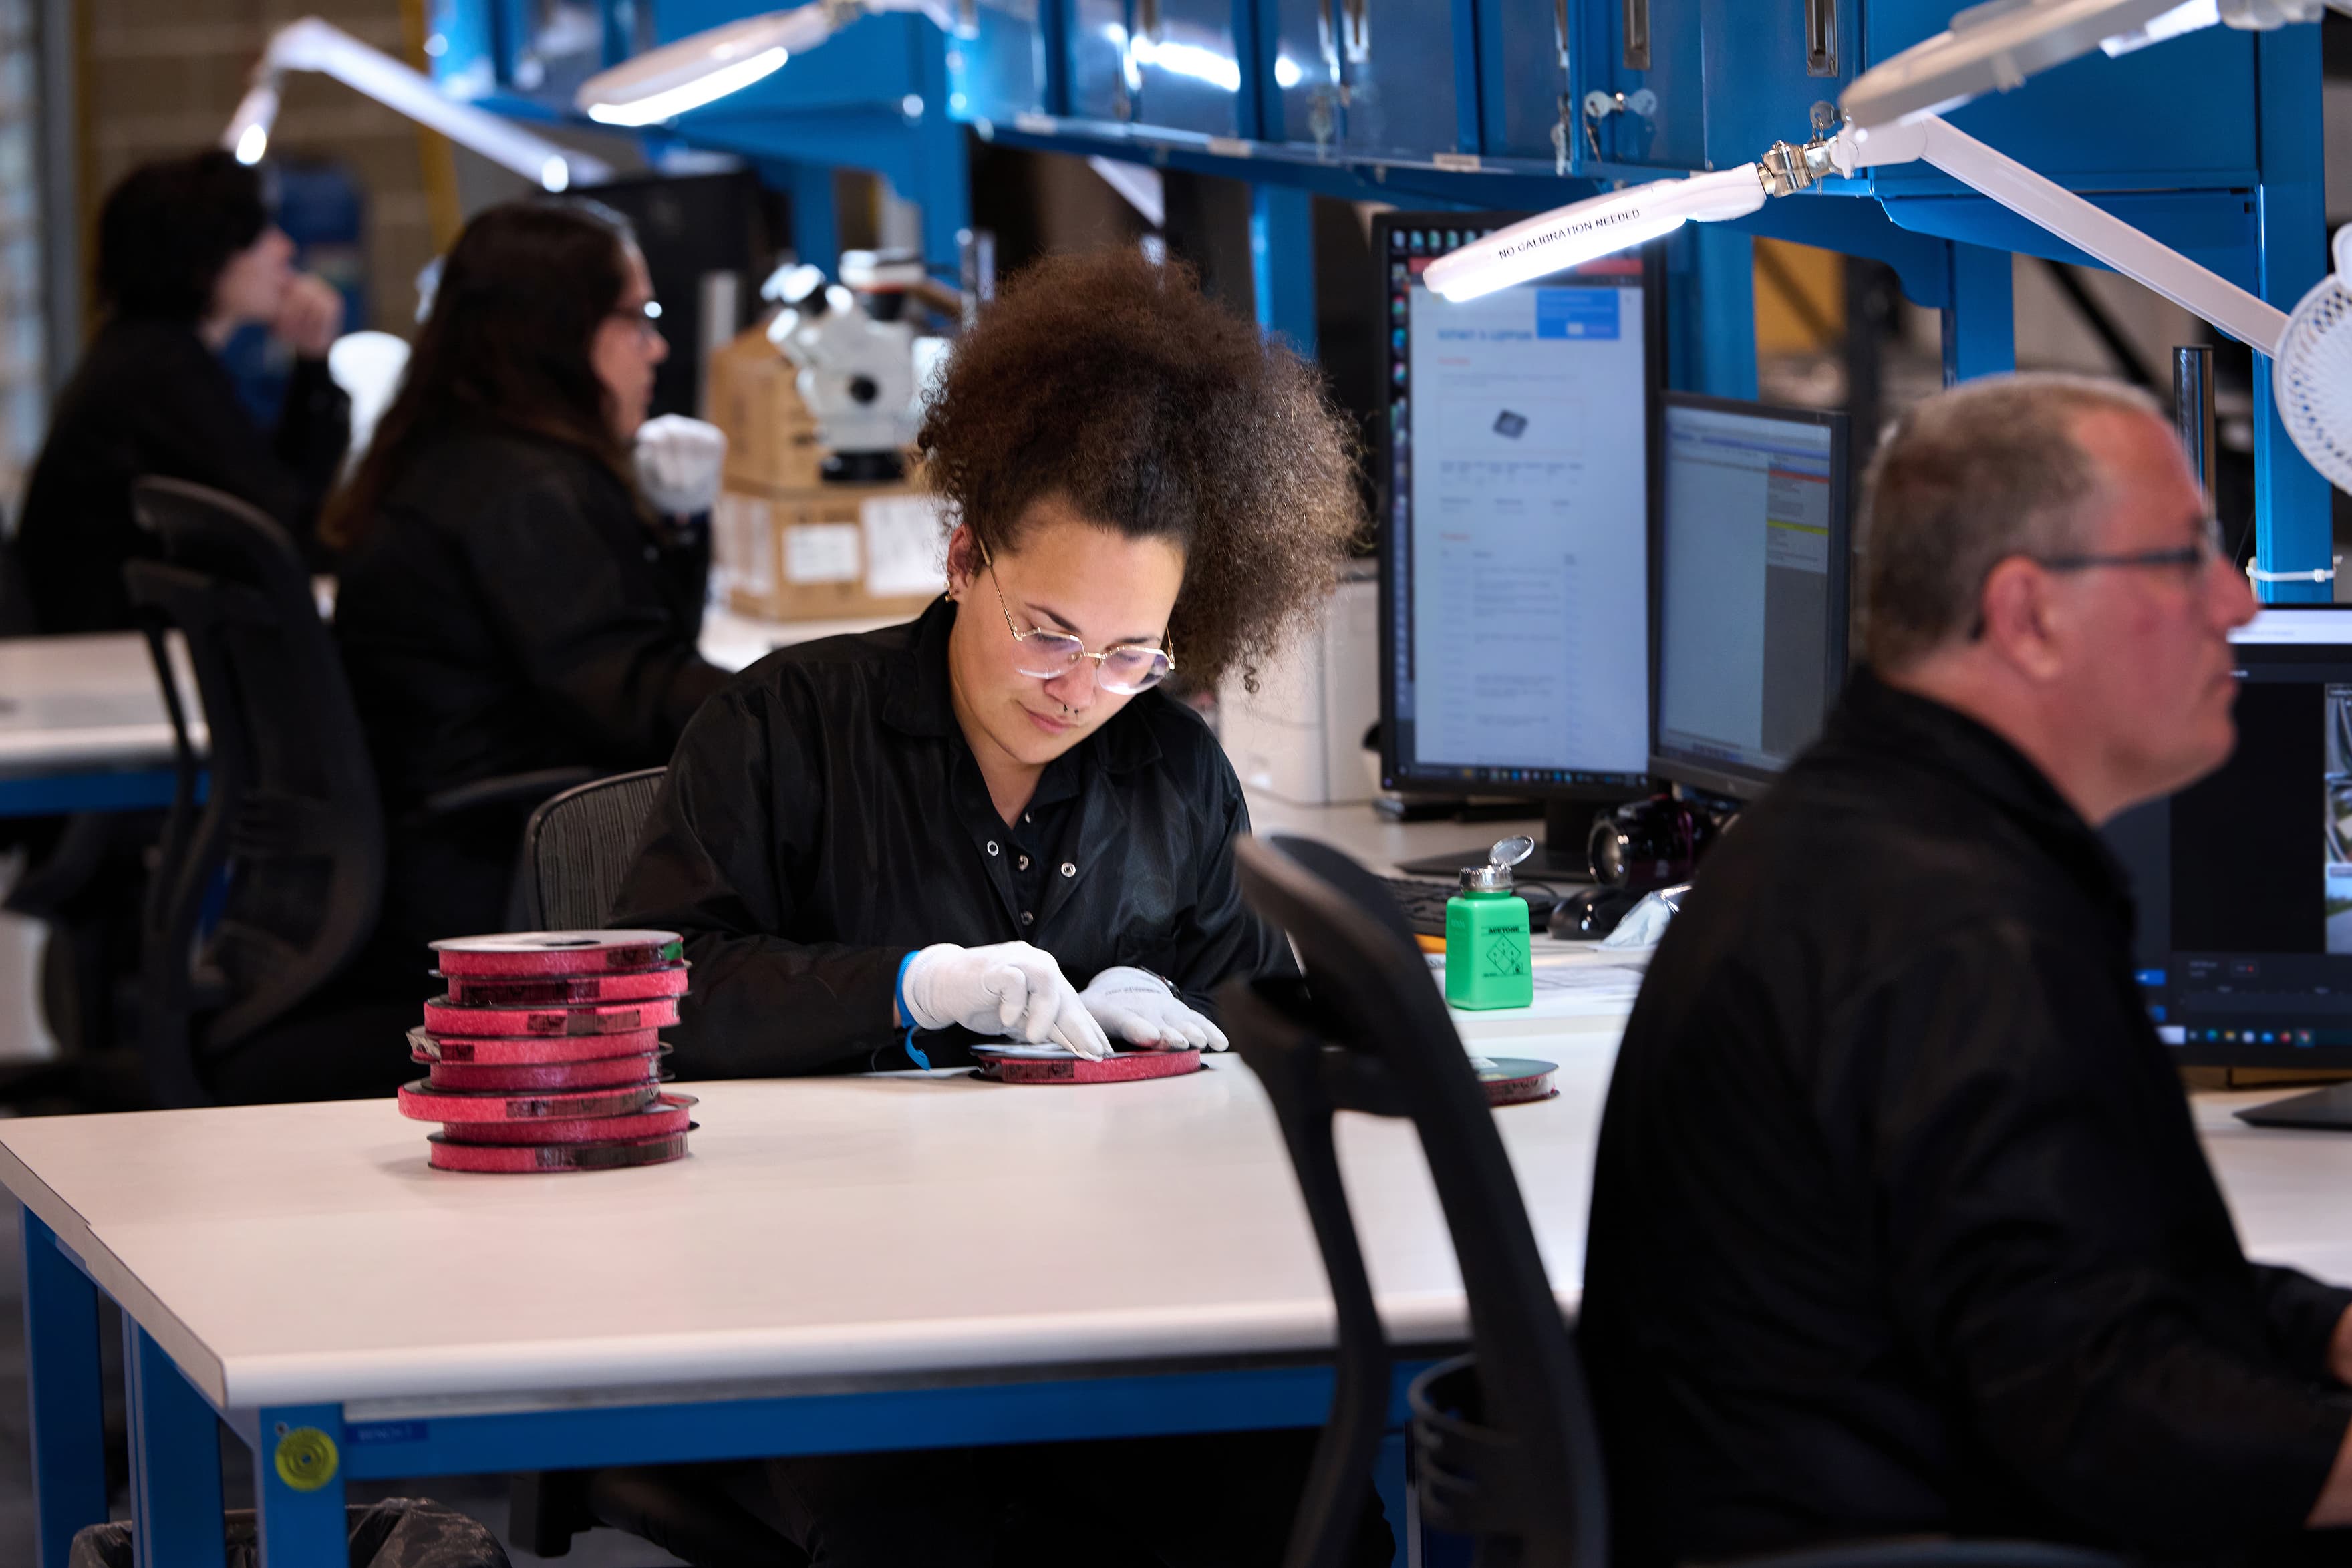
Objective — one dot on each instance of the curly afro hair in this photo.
(1110, 382)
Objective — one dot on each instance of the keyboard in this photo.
(1425, 902)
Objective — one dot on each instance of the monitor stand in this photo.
(1560, 854)
(2327, 1109)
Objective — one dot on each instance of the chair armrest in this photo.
(1934, 1551)
(506, 790)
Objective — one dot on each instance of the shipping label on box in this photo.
(821, 552)
(906, 545)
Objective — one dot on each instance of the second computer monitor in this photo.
(1752, 552)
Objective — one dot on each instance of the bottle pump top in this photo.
(1495, 876)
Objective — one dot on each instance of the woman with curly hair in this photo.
(880, 847)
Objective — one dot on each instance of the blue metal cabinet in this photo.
(1398, 56)
(461, 46)
(2180, 114)
(1185, 66)
(1633, 47)
(1526, 108)
(1096, 35)
(1768, 65)
(1301, 49)
(998, 71)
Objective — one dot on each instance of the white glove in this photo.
(679, 464)
(1010, 988)
(1137, 1006)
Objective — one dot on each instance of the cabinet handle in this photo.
(1559, 32)
(1356, 17)
(1821, 38)
(1637, 35)
(1147, 20)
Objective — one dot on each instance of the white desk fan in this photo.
(2312, 371)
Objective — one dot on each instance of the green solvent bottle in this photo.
(1489, 956)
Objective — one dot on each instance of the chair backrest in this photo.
(577, 848)
(1370, 1032)
(289, 817)
(17, 618)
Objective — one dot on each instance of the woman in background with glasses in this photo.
(995, 820)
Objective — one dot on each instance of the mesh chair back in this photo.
(291, 822)
(576, 848)
(1368, 1031)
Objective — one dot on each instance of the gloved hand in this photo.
(1010, 988)
(1137, 1006)
(679, 464)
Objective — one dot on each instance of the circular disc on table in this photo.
(566, 990)
(557, 952)
(444, 1016)
(668, 1115)
(1018, 1066)
(549, 1077)
(1516, 1079)
(443, 1154)
(423, 1102)
(517, 1049)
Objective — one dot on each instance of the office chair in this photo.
(1514, 1460)
(576, 848)
(273, 849)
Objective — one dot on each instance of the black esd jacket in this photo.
(823, 816)
(1899, 1224)
(150, 399)
(507, 612)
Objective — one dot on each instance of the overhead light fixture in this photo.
(1995, 47)
(311, 45)
(1572, 234)
(702, 68)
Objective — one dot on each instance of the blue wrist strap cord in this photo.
(908, 1013)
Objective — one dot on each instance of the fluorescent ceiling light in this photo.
(311, 45)
(1592, 228)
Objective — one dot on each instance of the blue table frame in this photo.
(304, 1455)
(99, 789)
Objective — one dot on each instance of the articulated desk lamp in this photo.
(664, 83)
(1892, 115)
(311, 45)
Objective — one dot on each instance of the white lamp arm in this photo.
(2089, 228)
(311, 45)
(1594, 227)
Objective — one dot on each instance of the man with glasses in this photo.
(1900, 1227)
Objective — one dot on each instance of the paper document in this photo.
(1581, 981)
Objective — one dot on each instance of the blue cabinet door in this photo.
(1303, 55)
(999, 71)
(1525, 106)
(2180, 113)
(1183, 67)
(1096, 32)
(1398, 56)
(1767, 66)
(1656, 48)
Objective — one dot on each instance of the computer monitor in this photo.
(1514, 528)
(2243, 880)
(1752, 609)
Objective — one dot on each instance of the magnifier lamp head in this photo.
(664, 83)
(1599, 226)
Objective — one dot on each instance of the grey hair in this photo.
(1973, 474)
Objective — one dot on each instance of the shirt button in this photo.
(1025, 863)
(1027, 918)
(1069, 870)
(992, 846)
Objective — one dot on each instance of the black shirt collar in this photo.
(917, 702)
(1876, 718)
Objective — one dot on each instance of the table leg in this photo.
(61, 1368)
(176, 1474)
(298, 1484)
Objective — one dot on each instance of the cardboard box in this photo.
(828, 552)
(751, 394)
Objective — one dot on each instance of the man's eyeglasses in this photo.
(1123, 671)
(2190, 558)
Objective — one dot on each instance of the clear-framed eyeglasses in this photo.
(1123, 670)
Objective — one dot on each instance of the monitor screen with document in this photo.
(1515, 524)
(1752, 612)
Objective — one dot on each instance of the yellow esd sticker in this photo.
(307, 1459)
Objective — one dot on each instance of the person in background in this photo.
(507, 607)
(1900, 1226)
(880, 847)
(186, 254)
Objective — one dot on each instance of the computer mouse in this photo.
(1591, 912)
